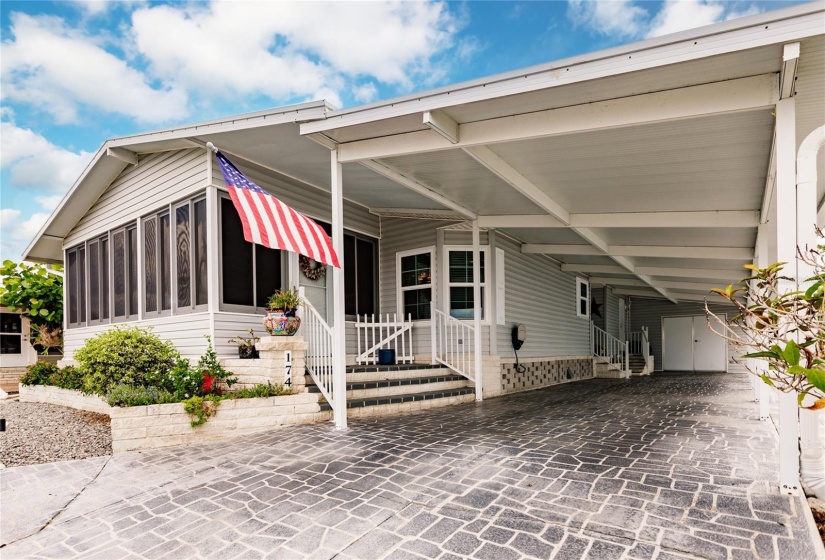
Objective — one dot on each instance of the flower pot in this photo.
(247, 352)
(277, 323)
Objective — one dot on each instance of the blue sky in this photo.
(75, 73)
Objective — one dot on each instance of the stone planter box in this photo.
(161, 425)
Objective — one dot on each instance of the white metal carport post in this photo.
(339, 348)
(477, 306)
(786, 251)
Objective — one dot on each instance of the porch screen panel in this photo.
(81, 282)
(267, 273)
(237, 273)
(132, 249)
(201, 276)
(94, 280)
(182, 260)
(350, 276)
(119, 273)
(71, 288)
(150, 242)
(365, 271)
(165, 263)
(104, 278)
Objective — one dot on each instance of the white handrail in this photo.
(645, 345)
(453, 343)
(318, 335)
(391, 334)
(605, 345)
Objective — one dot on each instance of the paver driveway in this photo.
(670, 466)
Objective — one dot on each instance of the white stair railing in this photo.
(385, 333)
(604, 345)
(453, 343)
(646, 345)
(634, 340)
(318, 335)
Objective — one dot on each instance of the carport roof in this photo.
(656, 156)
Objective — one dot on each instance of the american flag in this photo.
(269, 222)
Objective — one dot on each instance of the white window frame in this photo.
(401, 289)
(173, 236)
(579, 283)
(126, 284)
(485, 301)
(159, 312)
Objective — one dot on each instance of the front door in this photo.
(14, 340)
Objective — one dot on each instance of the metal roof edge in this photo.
(596, 56)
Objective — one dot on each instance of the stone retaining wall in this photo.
(161, 425)
(545, 372)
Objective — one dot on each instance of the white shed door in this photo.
(709, 349)
(690, 345)
(678, 343)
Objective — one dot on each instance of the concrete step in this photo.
(385, 404)
(367, 374)
(398, 386)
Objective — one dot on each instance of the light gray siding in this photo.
(599, 295)
(312, 201)
(649, 313)
(610, 311)
(542, 297)
(186, 332)
(156, 181)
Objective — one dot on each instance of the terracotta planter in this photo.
(278, 323)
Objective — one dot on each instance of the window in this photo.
(250, 273)
(76, 285)
(359, 274)
(125, 273)
(98, 255)
(460, 282)
(415, 271)
(156, 265)
(190, 256)
(582, 297)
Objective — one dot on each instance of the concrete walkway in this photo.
(665, 467)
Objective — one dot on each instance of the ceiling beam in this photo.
(712, 274)
(443, 124)
(657, 251)
(124, 155)
(742, 94)
(681, 296)
(415, 186)
(594, 268)
(711, 219)
(632, 282)
(787, 74)
(504, 171)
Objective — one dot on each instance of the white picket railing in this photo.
(453, 343)
(646, 345)
(318, 335)
(639, 342)
(605, 345)
(384, 334)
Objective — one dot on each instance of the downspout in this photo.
(812, 453)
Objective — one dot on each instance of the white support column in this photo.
(786, 251)
(477, 306)
(812, 460)
(339, 349)
(492, 288)
(764, 389)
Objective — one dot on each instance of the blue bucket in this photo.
(386, 357)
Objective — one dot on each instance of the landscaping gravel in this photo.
(43, 433)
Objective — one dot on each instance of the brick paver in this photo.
(665, 467)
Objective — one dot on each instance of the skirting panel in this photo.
(545, 372)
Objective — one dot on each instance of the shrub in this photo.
(126, 395)
(186, 381)
(209, 364)
(258, 391)
(124, 356)
(39, 373)
(68, 377)
(201, 408)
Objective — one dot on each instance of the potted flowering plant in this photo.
(280, 319)
(246, 345)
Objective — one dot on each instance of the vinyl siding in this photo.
(156, 181)
(312, 201)
(611, 312)
(541, 297)
(599, 295)
(186, 332)
(649, 312)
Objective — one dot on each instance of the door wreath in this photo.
(311, 268)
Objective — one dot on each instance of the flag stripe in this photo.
(268, 221)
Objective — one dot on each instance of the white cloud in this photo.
(49, 202)
(15, 235)
(617, 18)
(678, 15)
(283, 49)
(35, 162)
(59, 69)
(364, 93)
